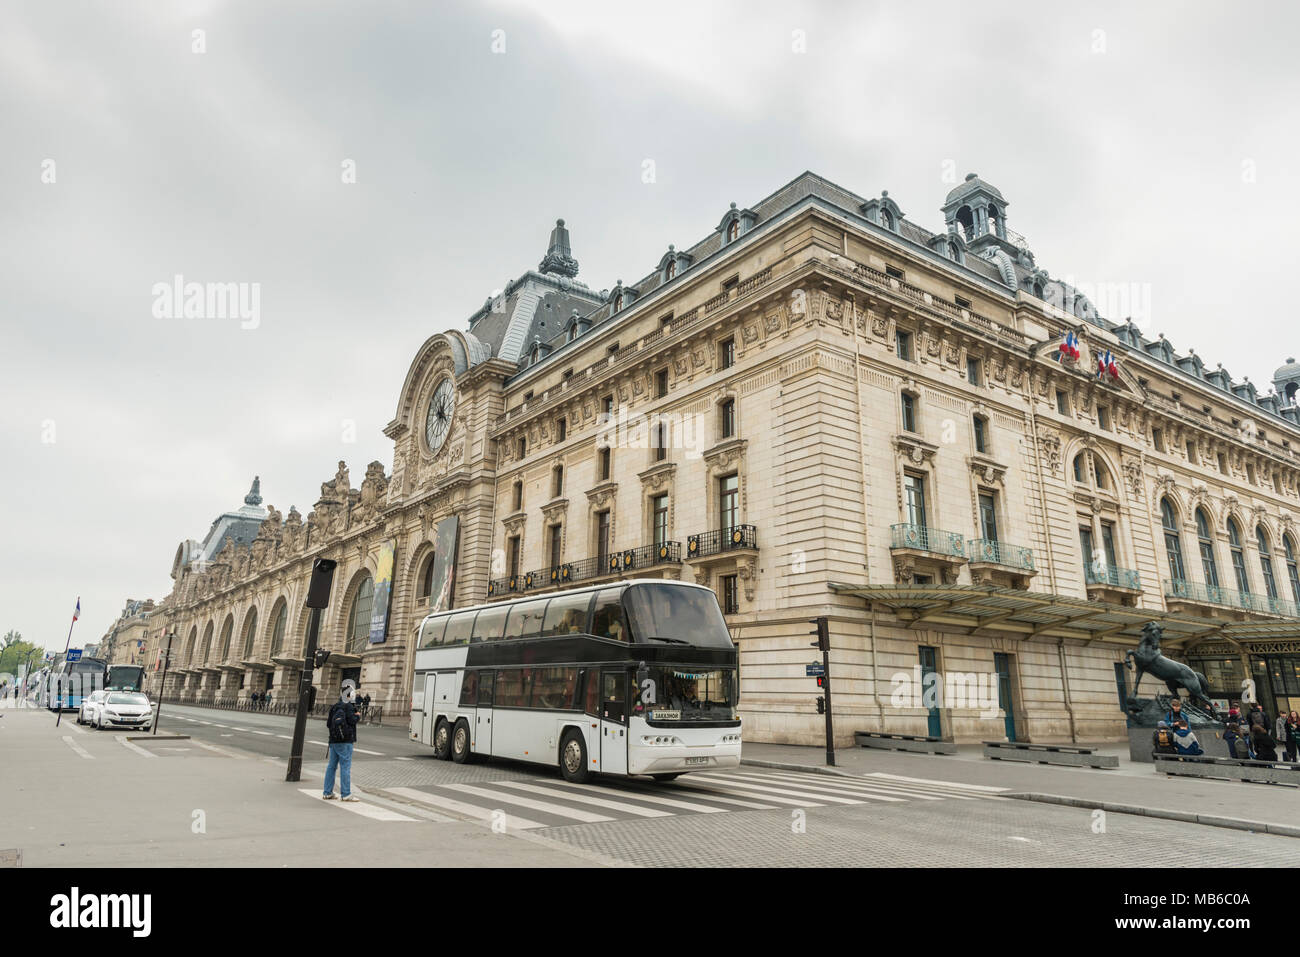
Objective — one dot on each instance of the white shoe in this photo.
(351, 798)
(328, 797)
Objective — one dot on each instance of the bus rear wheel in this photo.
(667, 777)
(460, 742)
(573, 757)
(442, 740)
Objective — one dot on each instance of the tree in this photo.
(15, 652)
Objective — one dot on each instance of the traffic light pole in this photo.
(162, 692)
(823, 642)
(318, 597)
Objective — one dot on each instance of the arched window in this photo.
(189, 645)
(733, 230)
(227, 630)
(1265, 562)
(886, 219)
(573, 332)
(618, 302)
(207, 644)
(250, 634)
(1173, 545)
(1078, 468)
(557, 481)
(359, 617)
(993, 220)
(952, 252)
(1238, 556)
(1206, 544)
(424, 586)
(1100, 474)
(670, 270)
(1291, 572)
(532, 355)
(277, 633)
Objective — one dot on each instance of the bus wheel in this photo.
(442, 740)
(573, 757)
(666, 777)
(460, 742)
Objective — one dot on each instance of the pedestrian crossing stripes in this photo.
(542, 802)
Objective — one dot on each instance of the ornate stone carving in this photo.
(879, 325)
(749, 332)
(1049, 444)
(798, 306)
(747, 572)
(772, 320)
(1133, 474)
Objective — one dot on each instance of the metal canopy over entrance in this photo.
(989, 609)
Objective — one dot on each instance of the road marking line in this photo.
(134, 747)
(321, 743)
(378, 754)
(77, 728)
(262, 732)
(835, 787)
(67, 739)
(372, 811)
(558, 810)
(513, 822)
(711, 790)
(245, 730)
(713, 795)
(404, 759)
(746, 788)
(667, 802)
(586, 799)
(287, 737)
(213, 747)
(948, 784)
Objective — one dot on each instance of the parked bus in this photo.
(125, 678)
(73, 680)
(634, 677)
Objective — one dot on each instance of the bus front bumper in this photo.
(675, 759)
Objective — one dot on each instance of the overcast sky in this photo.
(1149, 146)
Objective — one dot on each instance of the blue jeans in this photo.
(341, 758)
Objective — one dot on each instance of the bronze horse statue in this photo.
(1174, 673)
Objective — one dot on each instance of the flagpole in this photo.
(66, 645)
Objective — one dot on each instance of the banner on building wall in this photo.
(383, 593)
(446, 541)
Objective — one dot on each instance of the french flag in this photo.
(1107, 365)
(77, 614)
(1068, 350)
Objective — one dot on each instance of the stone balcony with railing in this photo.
(1183, 595)
(721, 541)
(589, 571)
(929, 552)
(1000, 563)
(1112, 583)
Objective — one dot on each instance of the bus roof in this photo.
(624, 584)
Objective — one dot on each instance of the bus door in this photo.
(613, 722)
(430, 707)
(483, 716)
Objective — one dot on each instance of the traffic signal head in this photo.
(821, 705)
(821, 681)
(823, 642)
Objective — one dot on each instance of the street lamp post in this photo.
(167, 658)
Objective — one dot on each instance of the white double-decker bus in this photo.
(635, 677)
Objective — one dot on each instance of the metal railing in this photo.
(373, 715)
(1229, 598)
(720, 540)
(615, 563)
(1095, 573)
(1000, 553)
(926, 539)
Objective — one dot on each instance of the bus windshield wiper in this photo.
(675, 641)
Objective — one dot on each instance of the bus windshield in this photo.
(676, 615)
(683, 693)
(125, 678)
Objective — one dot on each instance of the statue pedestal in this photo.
(1139, 743)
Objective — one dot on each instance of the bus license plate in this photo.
(697, 760)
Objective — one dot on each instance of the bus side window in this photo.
(592, 693)
(431, 633)
(469, 689)
(607, 619)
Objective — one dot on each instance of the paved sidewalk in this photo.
(1132, 784)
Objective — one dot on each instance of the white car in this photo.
(122, 709)
(90, 706)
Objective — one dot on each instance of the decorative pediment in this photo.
(726, 455)
(658, 477)
(987, 470)
(554, 510)
(915, 449)
(515, 523)
(603, 494)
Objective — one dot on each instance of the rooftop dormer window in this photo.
(618, 302)
(671, 270)
(733, 230)
(887, 219)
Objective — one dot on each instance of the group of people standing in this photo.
(261, 700)
(1250, 737)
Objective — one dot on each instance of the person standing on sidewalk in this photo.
(342, 723)
(1263, 744)
(1292, 736)
(267, 699)
(1279, 732)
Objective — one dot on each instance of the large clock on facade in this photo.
(441, 406)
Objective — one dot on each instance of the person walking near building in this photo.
(1293, 736)
(365, 705)
(253, 697)
(1262, 743)
(342, 724)
(267, 699)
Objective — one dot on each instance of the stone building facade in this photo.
(821, 408)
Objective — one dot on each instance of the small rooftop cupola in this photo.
(559, 257)
(978, 213)
(1286, 380)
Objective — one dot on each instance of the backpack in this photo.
(337, 722)
(1164, 738)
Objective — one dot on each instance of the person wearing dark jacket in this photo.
(1175, 712)
(1292, 736)
(1263, 744)
(1232, 737)
(342, 722)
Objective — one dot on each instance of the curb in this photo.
(157, 737)
(812, 768)
(1209, 820)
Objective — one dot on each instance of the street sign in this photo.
(814, 670)
(74, 654)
